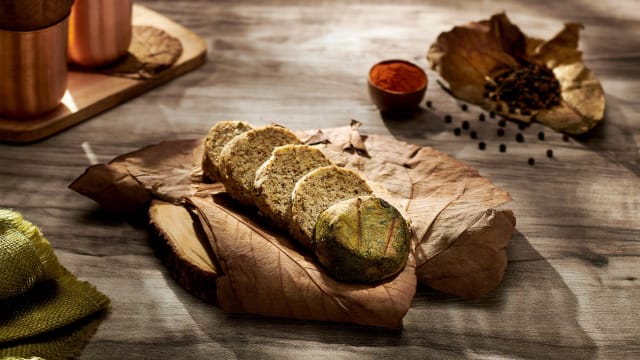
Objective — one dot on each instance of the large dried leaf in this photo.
(477, 259)
(469, 56)
(444, 200)
(130, 181)
(265, 273)
(459, 235)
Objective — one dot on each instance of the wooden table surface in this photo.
(572, 286)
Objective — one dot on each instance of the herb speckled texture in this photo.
(364, 239)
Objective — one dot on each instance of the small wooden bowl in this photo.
(396, 101)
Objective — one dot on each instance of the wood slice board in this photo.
(91, 93)
(184, 249)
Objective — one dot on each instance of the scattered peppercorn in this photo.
(541, 135)
(429, 103)
(519, 137)
(503, 147)
(500, 132)
(482, 145)
(549, 153)
(481, 117)
(531, 161)
(565, 137)
(499, 107)
(502, 123)
(457, 131)
(522, 126)
(465, 125)
(492, 114)
(464, 107)
(473, 134)
(447, 118)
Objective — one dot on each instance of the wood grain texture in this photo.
(573, 278)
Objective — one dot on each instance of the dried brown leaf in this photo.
(113, 188)
(468, 55)
(465, 55)
(458, 235)
(130, 181)
(151, 51)
(443, 199)
(473, 265)
(265, 273)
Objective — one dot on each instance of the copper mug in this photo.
(33, 70)
(99, 31)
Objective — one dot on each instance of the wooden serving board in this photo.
(91, 93)
(184, 249)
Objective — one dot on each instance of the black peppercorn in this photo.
(502, 123)
(457, 131)
(522, 126)
(525, 88)
(519, 137)
(464, 107)
(465, 125)
(500, 132)
(531, 161)
(549, 153)
(473, 134)
(481, 117)
(565, 138)
(541, 135)
(492, 114)
(447, 118)
(429, 103)
(503, 147)
(482, 145)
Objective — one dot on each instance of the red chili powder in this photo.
(398, 76)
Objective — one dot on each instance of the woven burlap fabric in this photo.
(45, 311)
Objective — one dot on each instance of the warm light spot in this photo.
(68, 101)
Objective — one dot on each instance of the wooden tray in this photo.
(91, 93)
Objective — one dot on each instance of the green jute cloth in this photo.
(45, 311)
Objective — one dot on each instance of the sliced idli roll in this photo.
(219, 135)
(317, 191)
(243, 155)
(277, 176)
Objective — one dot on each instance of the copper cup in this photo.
(99, 31)
(33, 70)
